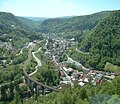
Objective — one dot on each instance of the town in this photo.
(68, 75)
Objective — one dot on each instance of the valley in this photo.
(62, 58)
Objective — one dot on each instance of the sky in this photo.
(57, 8)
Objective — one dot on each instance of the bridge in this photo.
(34, 85)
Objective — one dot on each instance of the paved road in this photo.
(38, 61)
(31, 46)
(25, 66)
(67, 76)
(25, 73)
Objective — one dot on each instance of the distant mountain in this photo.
(37, 18)
(66, 17)
(73, 26)
(31, 24)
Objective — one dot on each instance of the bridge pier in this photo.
(24, 79)
(37, 88)
(43, 90)
(32, 87)
(3, 93)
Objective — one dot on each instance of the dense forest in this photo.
(103, 42)
(18, 29)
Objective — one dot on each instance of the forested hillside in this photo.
(8, 19)
(15, 34)
(104, 42)
(17, 29)
(73, 26)
(29, 23)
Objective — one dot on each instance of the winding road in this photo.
(39, 64)
(30, 53)
(37, 60)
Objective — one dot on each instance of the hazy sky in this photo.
(57, 8)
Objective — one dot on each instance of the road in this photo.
(25, 64)
(21, 51)
(67, 76)
(31, 46)
(29, 57)
(79, 64)
(37, 60)
(46, 42)
(87, 53)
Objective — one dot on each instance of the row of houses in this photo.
(92, 77)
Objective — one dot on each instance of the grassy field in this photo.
(111, 67)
